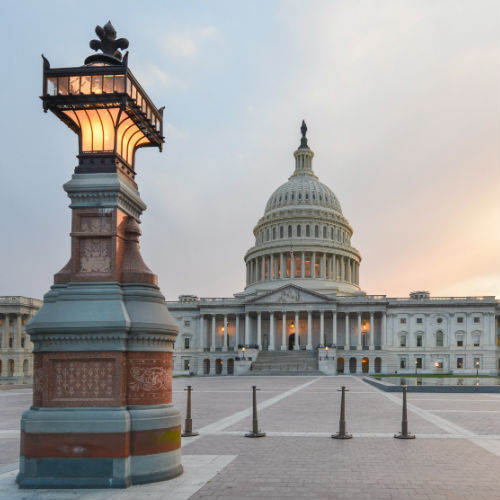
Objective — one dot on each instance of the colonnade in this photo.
(280, 325)
(302, 264)
(15, 354)
(12, 330)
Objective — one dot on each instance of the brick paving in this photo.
(302, 462)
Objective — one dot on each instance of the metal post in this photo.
(404, 421)
(342, 434)
(255, 424)
(188, 425)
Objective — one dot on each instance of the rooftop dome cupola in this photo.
(303, 156)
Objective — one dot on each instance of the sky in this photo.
(401, 100)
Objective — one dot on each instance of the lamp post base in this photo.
(342, 436)
(255, 434)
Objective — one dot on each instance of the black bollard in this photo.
(255, 424)
(404, 421)
(342, 434)
(188, 425)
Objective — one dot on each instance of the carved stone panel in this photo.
(149, 378)
(95, 223)
(79, 379)
(95, 255)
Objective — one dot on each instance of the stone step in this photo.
(286, 362)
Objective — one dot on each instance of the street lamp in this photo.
(326, 349)
(416, 365)
(243, 350)
(477, 372)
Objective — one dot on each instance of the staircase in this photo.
(286, 363)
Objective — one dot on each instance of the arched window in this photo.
(439, 338)
(307, 196)
(402, 342)
(274, 233)
(324, 232)
(293, 196)
(281, 231)
(316, 231)
(299, 233)
(289, 231)
(267, 234)
(331, 233)
(300, 196)
(314, 196)
(286, 196)
(308, 230)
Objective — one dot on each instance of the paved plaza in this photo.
(455, 456)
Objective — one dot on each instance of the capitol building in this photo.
(303, 311)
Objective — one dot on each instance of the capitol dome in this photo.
(303, 237)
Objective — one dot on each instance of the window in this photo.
(316, 231)
(402, 363)
(186, 364)
(292, 196)
(439, 364)
(187, 323)
(477, 319)
(439, 338)
(440, 320)
(187, 341)
(476, 339)
(331, 233)
(460, 362)
(419, 340)
(308, 230)
(281, 231)
(300, 196)
(307, 196)
(402, 321)
(460, 319)
(299, 230)
(10, 343)
(274, 233)
(418, 363)
(402, 342)
(419, 321)
(289, 231)
(324, 232)
(267, 234)
(22, 342)
(460, 340)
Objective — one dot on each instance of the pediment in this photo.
(291, 294)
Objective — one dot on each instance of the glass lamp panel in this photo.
(85, 130)
(139, 99)
(52, 85)
(134, 144)
(62, 85)
(121, 129)
(97, 130)
(119, 83)
(85, 84)
(108, 124)
(129, 87)
(97, 84)
(71, 114)
(128, 135)
(74, 84)
(107, 85)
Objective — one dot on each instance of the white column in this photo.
(247, 329)
(303, 265)
(313, 265)
(334, 328)
(347, 332)
(19, 332)
(360, 344)
(237, 332)
(334, 266)
(224, 346)
(212, 344)
(342, 268)
(5, 331)
(322, 328)
(284, 346)
(263, 268)
(282, 267)
(292, 266)
(323, 271)
(372, 331)
(202, 331)
(259, 330)
(296, 347)
(384, 328)
(309, 331)
(271, 331)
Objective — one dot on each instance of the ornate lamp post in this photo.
(102, 414)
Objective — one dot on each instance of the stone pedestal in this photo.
(102, 414)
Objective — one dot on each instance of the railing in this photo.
(18, 300)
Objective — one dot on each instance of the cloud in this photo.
(186, 45)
